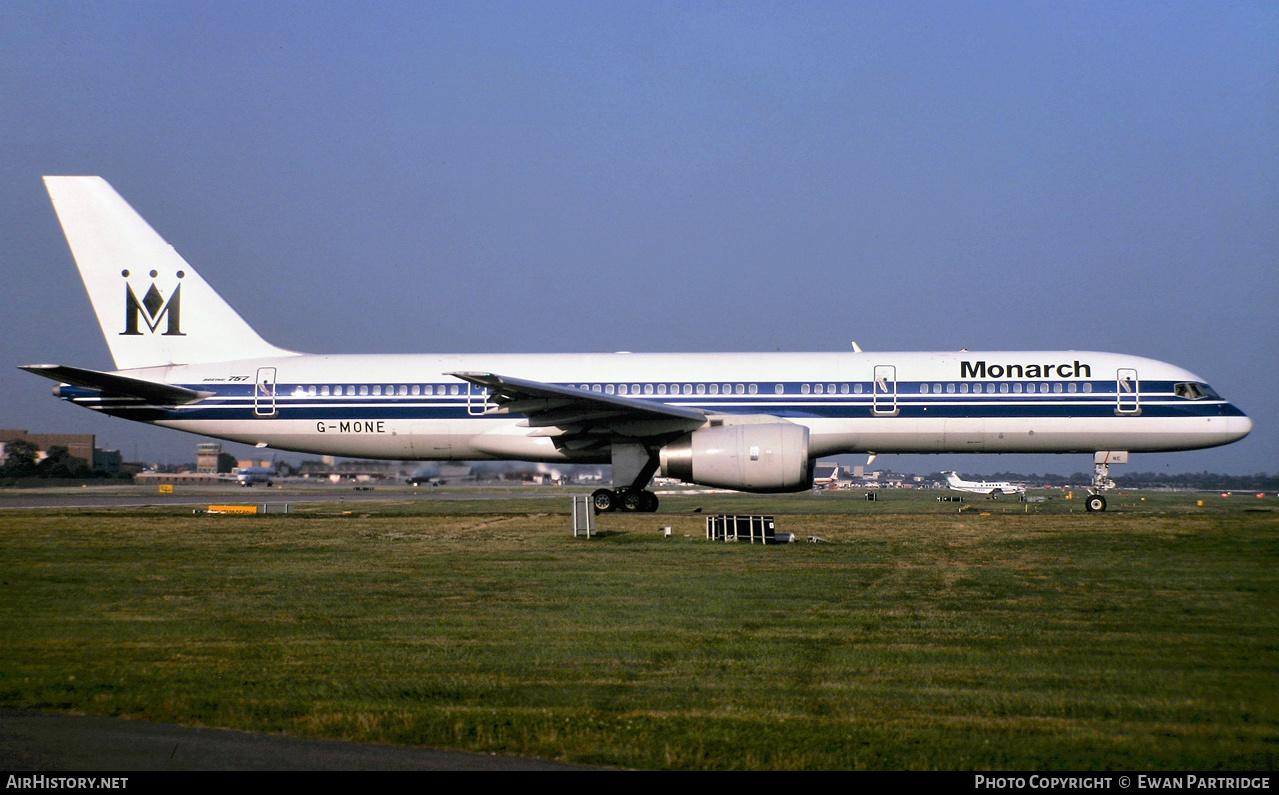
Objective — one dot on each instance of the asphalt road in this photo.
(44, 743)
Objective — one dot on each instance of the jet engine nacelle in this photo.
(767, 457)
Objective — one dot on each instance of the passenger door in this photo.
(1127, 392)
(884, 391)
(264, 392)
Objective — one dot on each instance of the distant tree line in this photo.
(1200, 481)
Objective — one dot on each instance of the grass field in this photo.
(1007, 636)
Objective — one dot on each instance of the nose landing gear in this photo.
(1101, 481)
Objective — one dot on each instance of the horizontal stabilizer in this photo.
(110, 384)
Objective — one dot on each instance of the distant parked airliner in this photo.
(747, 421)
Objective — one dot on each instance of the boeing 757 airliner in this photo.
(747, 421)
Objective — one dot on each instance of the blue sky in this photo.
(359, 177)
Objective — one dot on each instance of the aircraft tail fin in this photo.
(154, 309)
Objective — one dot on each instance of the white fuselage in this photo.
(406, 407)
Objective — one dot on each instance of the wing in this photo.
(571, 412)
(118, 386)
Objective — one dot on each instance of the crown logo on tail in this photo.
(153, 309)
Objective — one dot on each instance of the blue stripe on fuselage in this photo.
(237, 402)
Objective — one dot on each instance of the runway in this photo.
(43, 742)
(200, 496)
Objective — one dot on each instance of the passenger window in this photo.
(1057, 387)
(608, 389)
(1073, 387)
(963, 388)
(753, 389)
(817, 389)
(417, 389)
(950, 389)
(648, 389)
(1087, 386)
(1017, 388)
(377, 390)
(324, 390)
(843, 389)
(596, 388)
(428, 390)
(857, 389)
(714, 389)
(661, 389)
(778, 389)
(701, 389)
(741, 389)
(453, 389)
(937, 389)
(804, 389)
(1003, 387)
(621, 389)
(923, 389)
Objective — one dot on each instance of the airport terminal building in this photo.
(78, 445)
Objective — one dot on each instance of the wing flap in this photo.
(575, 410)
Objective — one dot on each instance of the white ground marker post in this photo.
(583, 516)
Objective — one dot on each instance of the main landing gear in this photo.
(635, 464)
(629, 500)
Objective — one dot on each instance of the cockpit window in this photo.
(1195, 392)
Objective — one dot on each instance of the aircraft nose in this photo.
(1241, 426)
